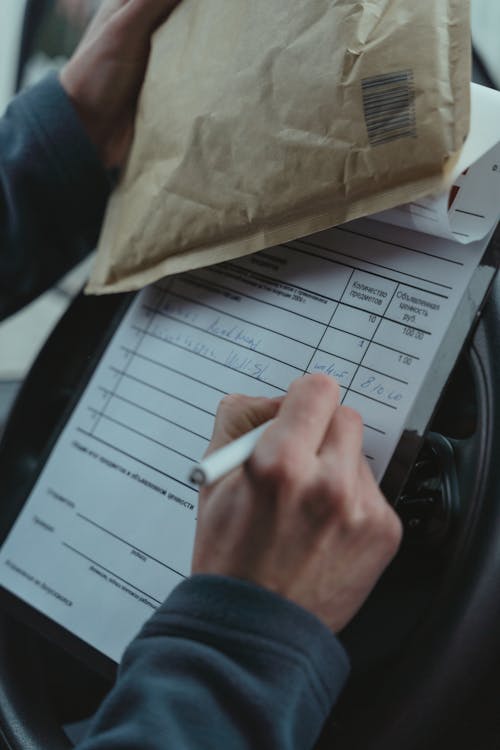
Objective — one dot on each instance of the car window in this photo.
(52, 31)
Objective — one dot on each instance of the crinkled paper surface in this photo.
(260, 122)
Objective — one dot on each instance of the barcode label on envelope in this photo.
(389, 107)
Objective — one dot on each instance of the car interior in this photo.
(425, 648)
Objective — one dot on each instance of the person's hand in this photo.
(304, 516)
(104, 76)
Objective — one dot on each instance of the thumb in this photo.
(239, 414)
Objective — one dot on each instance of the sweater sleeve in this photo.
(53, 192)
(223, 664)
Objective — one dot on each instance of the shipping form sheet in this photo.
(108, 529)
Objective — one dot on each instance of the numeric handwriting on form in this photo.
(374, 386)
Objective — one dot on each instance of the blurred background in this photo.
(39, 35)
(35, 36)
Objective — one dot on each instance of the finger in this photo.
(306, 412)
(370, 488)
(239, 414)
(105, 11)
(342, 446)
(228, 486)
(339, 489)
(141, 16)
(391, 528)
(149, 13)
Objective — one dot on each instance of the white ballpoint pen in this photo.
(227, 458)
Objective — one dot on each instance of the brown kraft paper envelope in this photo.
(264, 120)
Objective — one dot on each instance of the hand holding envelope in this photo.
(261, 122)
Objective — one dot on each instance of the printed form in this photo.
(108, 529)
(468, 210)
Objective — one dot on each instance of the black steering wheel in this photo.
(426, 646)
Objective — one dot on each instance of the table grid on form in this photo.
(369, 348)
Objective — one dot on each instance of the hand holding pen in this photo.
(303, 514)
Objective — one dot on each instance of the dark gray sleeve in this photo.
(223, 664)
(53, 192)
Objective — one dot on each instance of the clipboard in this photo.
(24, 451)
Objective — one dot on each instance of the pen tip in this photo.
(197, 476)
